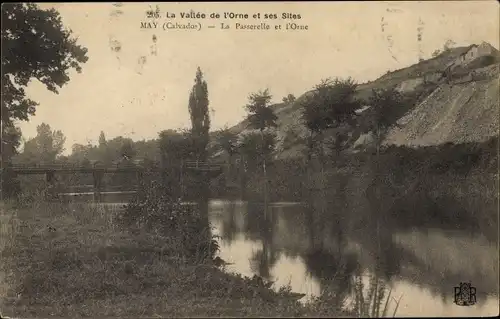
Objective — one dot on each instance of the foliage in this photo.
(290, 98)
(261, 115)
(11, 136)
(102, 139)
(330, 106)
(436, 53)
(200, 117)
(45, 147)
(449, 44)
(175, 146)
(384, 103)
(156, 210)
(256, 146)
(34, 45)
(331, 103)
(127, 150)
(227, 140)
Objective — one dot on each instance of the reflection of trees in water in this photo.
(260, 224)
(337, 269)
(334, 272)
(229, 228)
(263, 260)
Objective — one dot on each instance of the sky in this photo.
(143, 88)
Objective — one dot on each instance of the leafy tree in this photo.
(200, 117)
(11, 136)
(127, 150)
(255, 147)
(331, 105)
(102, 140)
(448, 45)
(148, 149)
(261, 116)
(175, 146)
(227, 140)
(45, 147)
(80, 152)
(290, 98)
(436, 53)
(35, 44)
(384, 102)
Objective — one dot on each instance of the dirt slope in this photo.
(457, 112)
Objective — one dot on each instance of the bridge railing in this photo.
(187, 164)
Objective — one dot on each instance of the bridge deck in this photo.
(64, 168)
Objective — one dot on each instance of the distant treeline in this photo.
(287, 177)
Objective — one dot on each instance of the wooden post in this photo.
(140, 178)
(97, 184)
(49, 177)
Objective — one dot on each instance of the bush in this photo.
(185, 228)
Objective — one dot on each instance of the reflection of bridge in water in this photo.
(98, 171)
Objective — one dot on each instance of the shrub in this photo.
(184, 227)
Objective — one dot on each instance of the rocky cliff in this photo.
(458, 101)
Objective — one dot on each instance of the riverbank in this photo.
(75, 261)
(446, 186)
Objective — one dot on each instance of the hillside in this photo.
(457, 96)
(461, 112)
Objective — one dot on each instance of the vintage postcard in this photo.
(250, 159)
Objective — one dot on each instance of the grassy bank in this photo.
(78, 260)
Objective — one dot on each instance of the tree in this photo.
(227, 140)
(175, 146)
(11, 136)
(45, 147)
(290, 98)
(102, 140)
(127, 150)
(255, 146)
(79, 152)
(331, 106)
(200, 117)
(261, 116)
(35, 44)
(448, 45)
(9, 185)
(436, 53)
(384, 102)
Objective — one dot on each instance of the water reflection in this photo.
(261, 225)
(316, 248)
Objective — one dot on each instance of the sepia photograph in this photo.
(250, 159)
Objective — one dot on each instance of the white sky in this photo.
(119, 95)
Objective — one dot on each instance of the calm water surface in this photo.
(422, 267)
(289, 244)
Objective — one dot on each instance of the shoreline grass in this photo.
(75, 261)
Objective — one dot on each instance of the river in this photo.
(421, 266)
(312, 251)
